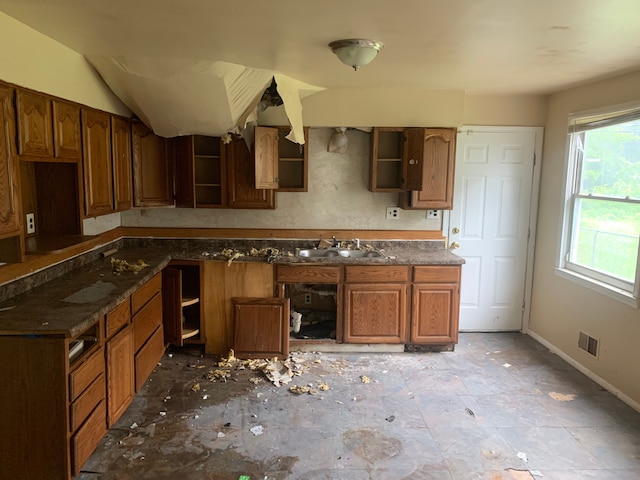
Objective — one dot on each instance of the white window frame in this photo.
(628, 293)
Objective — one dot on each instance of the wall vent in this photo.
(588, 344)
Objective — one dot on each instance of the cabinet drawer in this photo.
(86, 402)
(145, 293)
(376, 274)
(86, 373)
(436, 274)
(146, 321)
(118, 317)
(148, 356)
(85, 441)
(304, 274)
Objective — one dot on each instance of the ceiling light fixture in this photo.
(356, 52)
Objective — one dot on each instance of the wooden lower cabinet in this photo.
(120, 374)
(148, 333)
(56, 407)
(375, 313)
(375, 309)
(436, 305)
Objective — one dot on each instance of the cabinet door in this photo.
(261, 327)
(9, 222)
(120, 374)
(121, 152)
(97, 163)
(413, 164)
(152, 173)
(375, 313)
(266, 157)
(435, 313)
(66, 130)
(437, 176)
(35, 127)
(241, 178)
(185, 171)
(172, 305)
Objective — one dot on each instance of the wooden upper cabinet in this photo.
(438, 158)
(241, 179)
(97, 163)
(9, 221)
(201, 180)
(152, 168)
(35, 126)
(396, 159)
(66, 130)
(293, 162)
(266, 158)
(121, 152)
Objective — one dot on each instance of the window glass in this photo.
(604, 224)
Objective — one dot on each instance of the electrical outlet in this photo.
(393, 213)
(31, 223)
(307, 298)
(433, 214)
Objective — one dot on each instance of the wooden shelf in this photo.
(190, 301)
(188, 332)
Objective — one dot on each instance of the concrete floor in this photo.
(500, 406)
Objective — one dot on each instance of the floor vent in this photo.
(588, 344)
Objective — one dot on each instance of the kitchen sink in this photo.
(337, 252)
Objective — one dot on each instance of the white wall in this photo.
(561, 308)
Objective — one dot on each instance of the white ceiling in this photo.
(479, 46)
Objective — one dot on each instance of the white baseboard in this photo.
(578, 366)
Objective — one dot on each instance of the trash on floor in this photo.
(257, 430)
(523, 456)
(365, 379)
(562, 397)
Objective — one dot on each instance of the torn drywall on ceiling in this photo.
(183, 97)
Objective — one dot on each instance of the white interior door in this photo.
(494, 204)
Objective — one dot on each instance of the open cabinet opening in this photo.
(314, 311)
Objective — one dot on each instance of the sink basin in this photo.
(337, 252)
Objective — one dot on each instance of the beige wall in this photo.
(561, 308)
(33, 60)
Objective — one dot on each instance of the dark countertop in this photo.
(71, 303)
(68, 305)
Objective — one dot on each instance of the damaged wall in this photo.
(338, 197)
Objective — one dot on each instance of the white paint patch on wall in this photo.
(338, 198)
(98, 225)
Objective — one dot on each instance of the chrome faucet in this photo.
(357, 241)
(335, 243)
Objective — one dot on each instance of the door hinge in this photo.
(524, 304)
(534, 159)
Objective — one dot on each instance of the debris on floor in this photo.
(469, 412)
(257, 430)
(365, 379)
(515, 474)
(562, 397)
(523, 456)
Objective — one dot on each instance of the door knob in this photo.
(455, 230)
(454, 245)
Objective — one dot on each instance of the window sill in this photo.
(611, 292)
